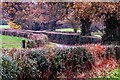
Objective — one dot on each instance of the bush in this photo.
(37, 40)
(15, 33)
(70, 61)
(31, 44)
(9, 69)
(51, 64)
(33, 66)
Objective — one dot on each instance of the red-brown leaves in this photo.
(96, 49)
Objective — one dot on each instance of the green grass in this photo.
(4, 26)
(97, 34)
(114, 74)
(10, 41)
(67, 30)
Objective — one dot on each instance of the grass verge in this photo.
(11, 41)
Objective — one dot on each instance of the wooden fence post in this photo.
(23, 43)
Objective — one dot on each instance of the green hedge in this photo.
(47, 64)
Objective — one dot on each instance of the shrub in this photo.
(33, 66)
(37, 40)
(9, 69)
(38, 64)
(14, 33)
(70, 61)
(54, 63)
(31, 44)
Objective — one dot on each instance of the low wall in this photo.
(57, 37)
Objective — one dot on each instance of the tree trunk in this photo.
(85, 29)
(111, 30)
(52, 25)
(118, 34)
(75, 30)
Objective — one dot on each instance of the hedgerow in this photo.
(78, 62)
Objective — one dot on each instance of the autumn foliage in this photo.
(13, 25)
(46, 12)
